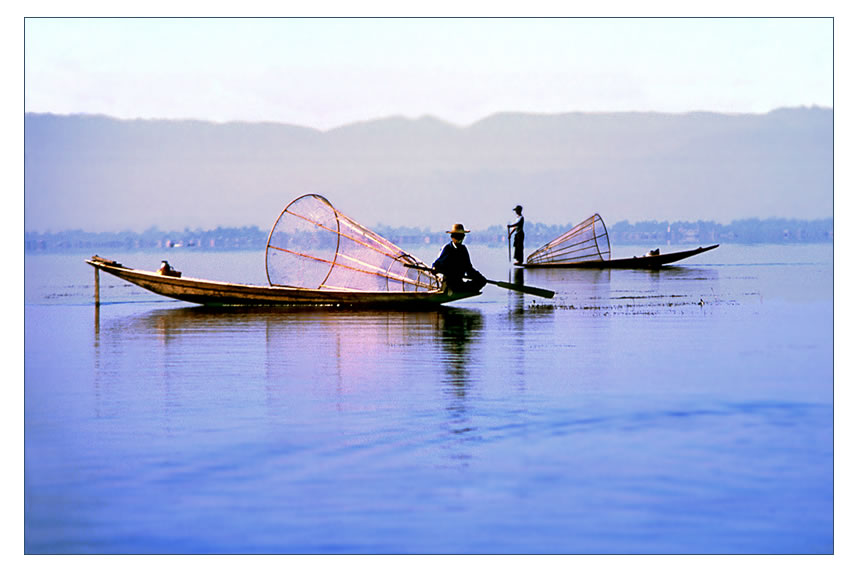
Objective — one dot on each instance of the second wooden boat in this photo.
(586, 245)
(648, 261)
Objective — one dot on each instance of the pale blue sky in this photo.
(329, 72)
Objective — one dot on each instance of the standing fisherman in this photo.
(516, 229)
(454, 264)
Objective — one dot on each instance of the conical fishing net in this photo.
(312, 245)
(586, 242)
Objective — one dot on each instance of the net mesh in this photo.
(312, 245)
(587, 241)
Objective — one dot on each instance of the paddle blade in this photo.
(523, 288)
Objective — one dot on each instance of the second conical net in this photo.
(586, 242)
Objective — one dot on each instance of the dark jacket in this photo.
(454, 263)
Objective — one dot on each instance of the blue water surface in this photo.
(688, 410)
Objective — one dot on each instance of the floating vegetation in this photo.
(645, 297)
(640, 308)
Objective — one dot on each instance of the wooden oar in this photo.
(523, 288)
(506, 285)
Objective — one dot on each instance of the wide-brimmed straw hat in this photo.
(458, 229)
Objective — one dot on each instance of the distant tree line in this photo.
(747, 231)
(219, 239)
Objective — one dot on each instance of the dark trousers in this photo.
(461, 285)
(519, 240)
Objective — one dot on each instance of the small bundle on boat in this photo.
(313, 245)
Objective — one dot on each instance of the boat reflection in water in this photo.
(459, 329)
(459, 332)
(306, 361)
(284, 349)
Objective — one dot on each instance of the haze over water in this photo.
(688, 410)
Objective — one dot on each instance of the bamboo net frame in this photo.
(585, 242)
(313, 245)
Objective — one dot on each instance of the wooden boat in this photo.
(586, 245)
(212, 293)
(648, 261)
(315, 256)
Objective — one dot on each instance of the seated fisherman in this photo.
(454, 264)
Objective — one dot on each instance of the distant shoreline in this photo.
(749, 231)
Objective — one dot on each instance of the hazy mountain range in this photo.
(102, 174)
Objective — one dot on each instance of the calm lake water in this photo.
(688, 410)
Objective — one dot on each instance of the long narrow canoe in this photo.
(212, 293)
(636, 262)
